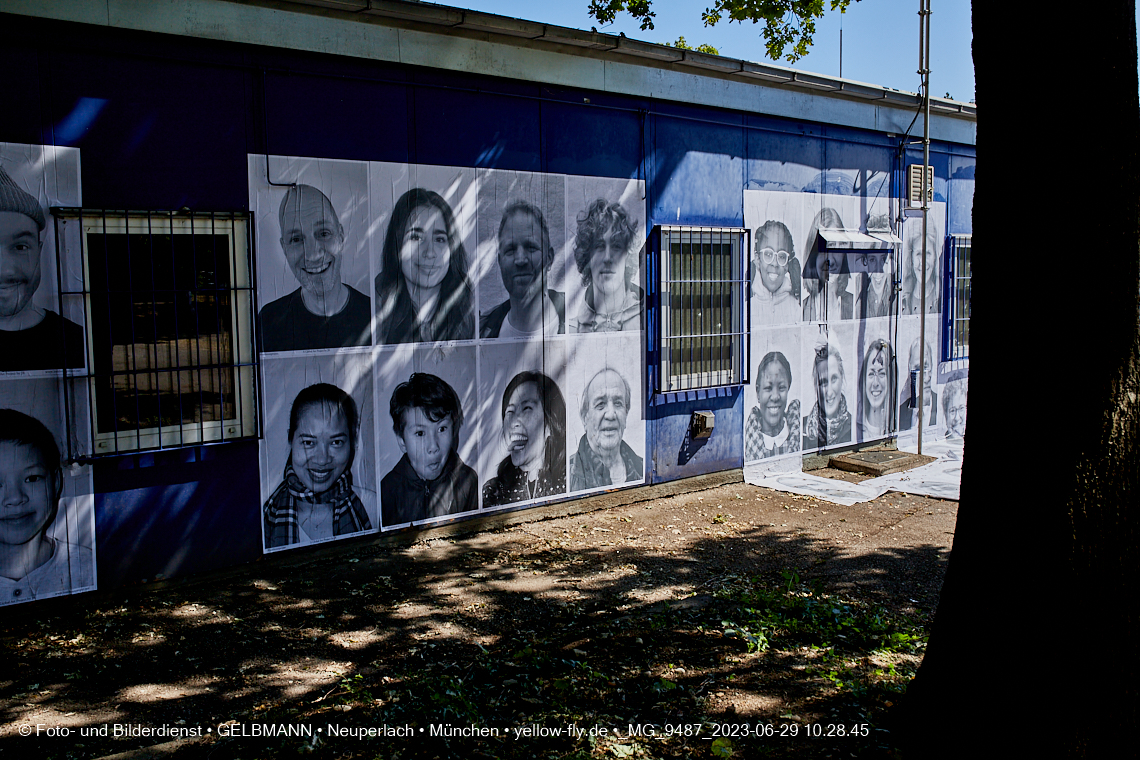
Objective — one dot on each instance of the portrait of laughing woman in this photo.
(316, 500)
(534, 433)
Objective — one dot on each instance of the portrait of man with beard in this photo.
(525, 257)
(31, 337)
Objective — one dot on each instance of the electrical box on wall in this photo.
(701, 425)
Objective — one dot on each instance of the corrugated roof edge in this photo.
(433, 14)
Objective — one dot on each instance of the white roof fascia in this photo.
(437, 36)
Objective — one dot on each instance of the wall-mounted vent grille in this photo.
(914, 185)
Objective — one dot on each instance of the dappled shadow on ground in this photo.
(336, 637)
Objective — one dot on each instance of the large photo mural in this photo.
(47, 524)
(442, 341)
(836, 307)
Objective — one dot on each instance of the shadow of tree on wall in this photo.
(509, 624)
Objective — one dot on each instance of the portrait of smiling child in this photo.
(33, 564)
(773, 425)
(317, 499)
(775, 276)
(323, 312)
(423, 291)
(430, 480)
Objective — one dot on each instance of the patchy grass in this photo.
(656, 670)
(671, 616)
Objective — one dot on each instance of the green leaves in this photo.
(606, 12)
(722, 747)
(756, 641)
(787, 23)
(703, 48)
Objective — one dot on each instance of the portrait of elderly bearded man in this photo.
(31, 337)
(603, 457)
(324, 312)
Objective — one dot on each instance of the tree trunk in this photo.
(1034, 647)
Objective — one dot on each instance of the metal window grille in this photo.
(169, 308)
(956, 317)
(703, 300)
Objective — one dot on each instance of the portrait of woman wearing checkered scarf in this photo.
(316, 499)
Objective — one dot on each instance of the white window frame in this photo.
(243, 423)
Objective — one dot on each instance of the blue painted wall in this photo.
(166, 122)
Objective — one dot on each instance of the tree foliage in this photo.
(682, 44)
(788, 24)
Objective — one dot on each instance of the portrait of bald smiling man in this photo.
(31, 337)
(324, 312)
(603, 458)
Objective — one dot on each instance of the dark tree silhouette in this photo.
(1033, 651)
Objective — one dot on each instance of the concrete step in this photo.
(876, 463)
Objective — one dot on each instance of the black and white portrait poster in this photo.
(37, 334)
(605, 419)
(313, 228)
(830, 367)
(318, 457)
(776, 259)
(47, 508)
(428, 424)
(423, 252)
(773, 400)
(522, 254)
(504, 351)
(831, 279)
(876, 416)
(915, 355)
(605, 231)
(910, 270)
(523, 409)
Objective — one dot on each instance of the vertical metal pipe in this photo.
(924, 43)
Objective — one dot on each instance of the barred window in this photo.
(957, 313)
(703, 298)
(169, 306)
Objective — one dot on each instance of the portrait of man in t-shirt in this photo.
(31, 337)
(323, 312)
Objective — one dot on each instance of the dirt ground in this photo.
(301, 629)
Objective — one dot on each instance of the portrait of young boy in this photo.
(33, 564)
(430, 480)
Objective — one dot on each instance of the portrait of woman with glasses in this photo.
(775, 277)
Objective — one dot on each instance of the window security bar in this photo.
(956, 315)
(169, 304)
(704, 333)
